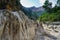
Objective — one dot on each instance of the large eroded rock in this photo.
(15, 26)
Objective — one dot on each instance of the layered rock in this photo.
(52, 29)
(14, 24)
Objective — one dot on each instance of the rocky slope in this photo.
(15, 26)
(50, 31)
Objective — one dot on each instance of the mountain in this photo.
(33, 12)
(27, 12)
(37, 9)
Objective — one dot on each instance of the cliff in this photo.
(14, 24)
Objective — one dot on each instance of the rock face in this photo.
(15, 26)
(52, 29)
(48, 31)
(10, 4)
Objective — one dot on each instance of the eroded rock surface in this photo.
(16, 26)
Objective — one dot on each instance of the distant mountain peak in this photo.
(37, 8)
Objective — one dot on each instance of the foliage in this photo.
(50, 16)
(55, 9)
(47, 5)
(58, 2)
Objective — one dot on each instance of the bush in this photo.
(50, 16)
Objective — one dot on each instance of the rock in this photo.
(52, 29)
(10, 5)
(16, 26)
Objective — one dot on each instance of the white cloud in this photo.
(26, 3)
(36, 3)
(30, 3)
(42, 2)
(53, 2)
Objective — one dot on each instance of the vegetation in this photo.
(51, 14)
(48, 6)
(58, 2)
(50, 17)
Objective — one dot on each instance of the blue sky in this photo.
(36, 3)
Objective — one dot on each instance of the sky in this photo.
(36, 3)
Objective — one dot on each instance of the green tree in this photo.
(58, 2)
(50, 16)
(48, 6)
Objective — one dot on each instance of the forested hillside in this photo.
(52, 13)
